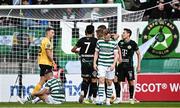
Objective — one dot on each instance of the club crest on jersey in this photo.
(48, 46)
(129, 47)
(167, 37)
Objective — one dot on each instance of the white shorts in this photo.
(50, 100)
(105, 72)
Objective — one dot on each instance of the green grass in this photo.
(77, 105)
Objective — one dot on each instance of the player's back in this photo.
(87, 46)
(56, 89)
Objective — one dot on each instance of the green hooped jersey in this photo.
(56, 89)
(106, 51)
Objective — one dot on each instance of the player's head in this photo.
(101, 27)
(126, 33)
(99, 31)
(48, 74)
(89, 30)
(50, 32)
(106, 34)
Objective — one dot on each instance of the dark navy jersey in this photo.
(87, 47)
(127, 52)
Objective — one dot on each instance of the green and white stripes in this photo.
(106, 52)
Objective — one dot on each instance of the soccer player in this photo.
(99, 35)
(87, 48)
(105, 58)
(125, 69)
(52, 93)
(45, 57)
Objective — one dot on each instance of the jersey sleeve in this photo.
(135, 46)
(119, 43)
(116, 47)
(79, 43)
(97, 46)
(47, 85)
(48, 44)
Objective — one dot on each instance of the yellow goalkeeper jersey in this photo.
(42, 55)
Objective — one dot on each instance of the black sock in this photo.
(117, 87)
(131, 91)
(90, 90)
(94, 89)
(84, 87)
(105, 86)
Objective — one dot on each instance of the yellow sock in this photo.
(36, 88)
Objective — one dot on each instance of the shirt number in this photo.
(87, 47)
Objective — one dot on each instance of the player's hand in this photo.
(55, 66)
(138, 69)
(114, 36)
(120, 61)
(112, 67)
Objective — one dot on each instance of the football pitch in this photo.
(77, 105)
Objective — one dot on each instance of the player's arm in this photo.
(78, 45)
(96, 54)
(119, 55)
(138, 61)
(50, 55)
(42, 92)
(115, 59)
(75, 49)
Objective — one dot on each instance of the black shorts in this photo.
(87, 70)
(125, 72)
(43, 68)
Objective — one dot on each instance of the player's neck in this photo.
(107, 39)
(48, 37)
(127, 39)
(89, 35)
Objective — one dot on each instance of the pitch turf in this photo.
(77, 105)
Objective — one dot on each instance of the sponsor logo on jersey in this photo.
(129, 47)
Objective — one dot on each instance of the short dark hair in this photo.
(101, 27)
(89, 29)
(99, 33)
(128, 31)
(49, 28)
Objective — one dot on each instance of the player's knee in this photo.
(131, 83)
(109, 82)
(115, 79)
(86, 80)
(101, 80)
